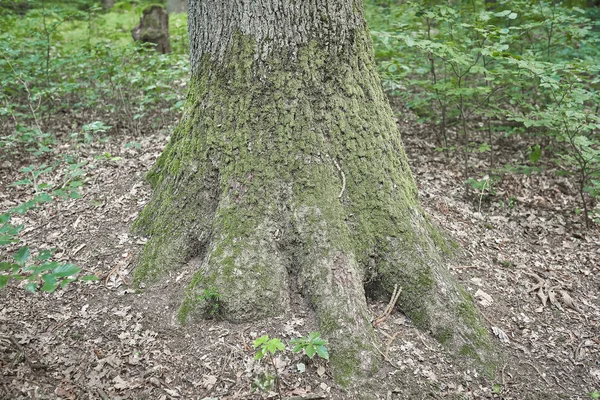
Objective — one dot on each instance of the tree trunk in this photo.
(287, 172)
(176, 6)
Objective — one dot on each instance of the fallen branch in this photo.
(312, 396)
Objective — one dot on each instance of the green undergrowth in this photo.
(58, 60)
(486, 73)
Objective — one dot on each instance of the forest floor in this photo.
(529, 263)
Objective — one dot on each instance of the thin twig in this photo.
(386, 358)
(390, 307)
(276, 375)
(311, 396)
(389, 343)
(61, 324)
(539, 373)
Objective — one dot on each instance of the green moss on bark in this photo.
(292, 168)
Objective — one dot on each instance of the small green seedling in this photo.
(497, 388)
(266, 346)
(211, 298)
(595, 395)
(263, 382)
(313, 344)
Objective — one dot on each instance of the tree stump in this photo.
(154, 28)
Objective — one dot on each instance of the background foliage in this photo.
(481, 72)
(71, 75)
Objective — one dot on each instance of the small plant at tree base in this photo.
(211, 298)
(595, 395)
(311, 344)
(267, 347)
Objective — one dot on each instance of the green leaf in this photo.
(37, 269)
(322, 352)
(310, 351)
(5, 266)
(43, 198)
(22, 255)
(502, 13)
(31, 287)
(298, 348)
(4, 280)
(259, 354)
(89, 278)
(536, 154)
(313, 335)
(65, 282)
(22, 182)
(4, 218)
(7, 239)
(11, 229)
(44, 255)
(66, 270)
(50, 283)
(260, 340)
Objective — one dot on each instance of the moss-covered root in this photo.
(331, 279)
(244, 268)
(433, 299)
(177, 220)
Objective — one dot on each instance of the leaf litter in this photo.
(532, 268)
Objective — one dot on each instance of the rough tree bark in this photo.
(287, 172)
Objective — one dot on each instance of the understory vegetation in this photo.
(70, 76)
(502, 73)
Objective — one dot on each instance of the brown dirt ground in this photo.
(104, 340)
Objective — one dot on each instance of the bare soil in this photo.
(526, 257)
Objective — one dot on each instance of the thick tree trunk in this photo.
(287, 171)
